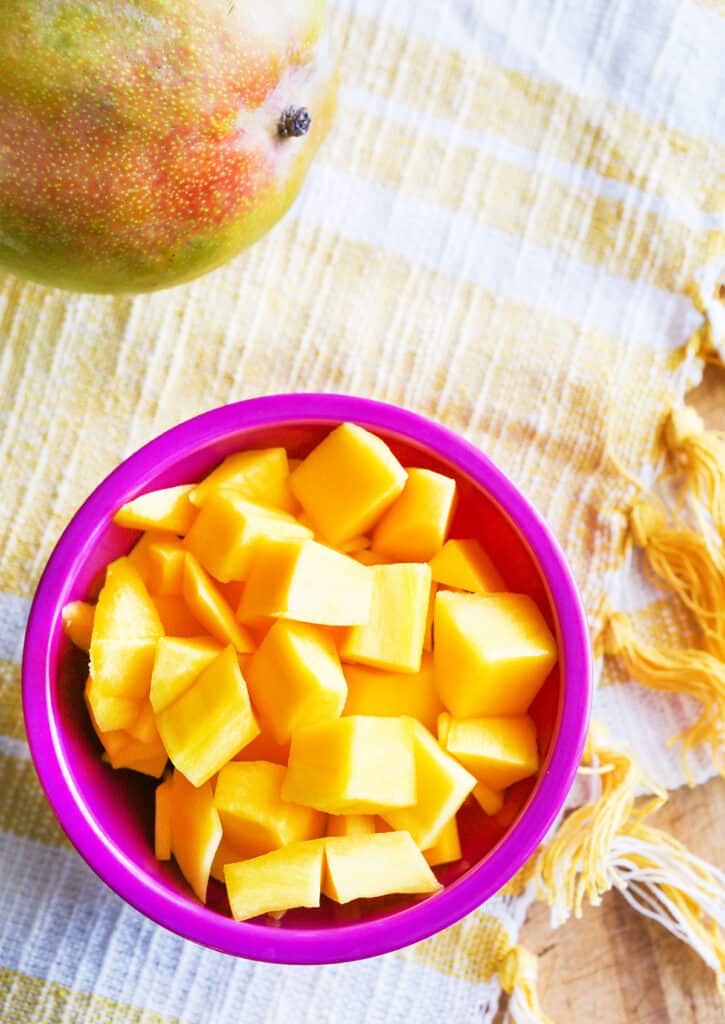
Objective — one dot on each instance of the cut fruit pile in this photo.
(328, 673)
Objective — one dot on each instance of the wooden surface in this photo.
(614, 966)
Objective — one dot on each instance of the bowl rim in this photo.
(295, 945)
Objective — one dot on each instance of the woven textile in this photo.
(504, 231)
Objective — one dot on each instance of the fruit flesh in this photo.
(492, 653)
(355, 765)
(365, 866)
(140, 138)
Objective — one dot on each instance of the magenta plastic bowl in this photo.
(108, 815)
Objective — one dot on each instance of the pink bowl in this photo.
(109, 815)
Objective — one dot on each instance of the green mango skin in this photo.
(138, 138)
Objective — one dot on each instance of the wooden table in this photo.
(614, 966)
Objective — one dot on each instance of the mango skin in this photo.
(138, 138)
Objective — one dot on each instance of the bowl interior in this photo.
(118, 805)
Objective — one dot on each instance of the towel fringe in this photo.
(576, 863)
(518, 975)
(700, 454)
(689, 671)
(606, 844)
(683, 559)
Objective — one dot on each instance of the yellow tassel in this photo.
(576, 863)
(606, 844)
(518, 976)
(682, 558)
(663, 880)
(689, 671)
(700, 453)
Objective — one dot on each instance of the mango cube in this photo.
(261, 476)
(355, 765)
(177, 664)
(210, 722)
(366, 866)
(392, 638)
(254, 817)
(78, 623)
(139, 553)
(373, 691)
(165, 509)
(295, 678)
(166, 567)
(306, 581)
(144, 728)
(264, 747)
(491, 654)
(369, 557)
(347, 482)
(196, 831)
(489, 800)
(351, 824)
(176, 617)
(464, 564)
(109, 714)
(277, 881)
(498, 750)
(162, 820)
(441, 787)
(207, 605)
(447, 848)
(228, 529)
(416, 524)
(126, 627)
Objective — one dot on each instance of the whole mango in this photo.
(145, 142)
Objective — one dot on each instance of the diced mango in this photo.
(225, 536)
(166, 567)
(78, 623)
(148, 758)
(232, 592)
(428, 632)
(373, 691)
(464, 564)
(168, 509)
(254, 817)
(144, 728)
(177, 664)
(351, 824)
(139, 553)
(208, 606)
(355, 765)
(295, 678)
(416, 524)
(489, 800)
(306, 581)
(497, 750)
(277, 881)
(392, 638)
(441, 787)
(491, 654)
(196, 831)
(347, 482)
(162, 820)
(260, 476)
(365, 866)
(107, 712)
(354, 545)
(210, 722)
(126, 627)
(369, 557)
(226, 853)
(264, 748)
(447, 848)
(176, 616)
